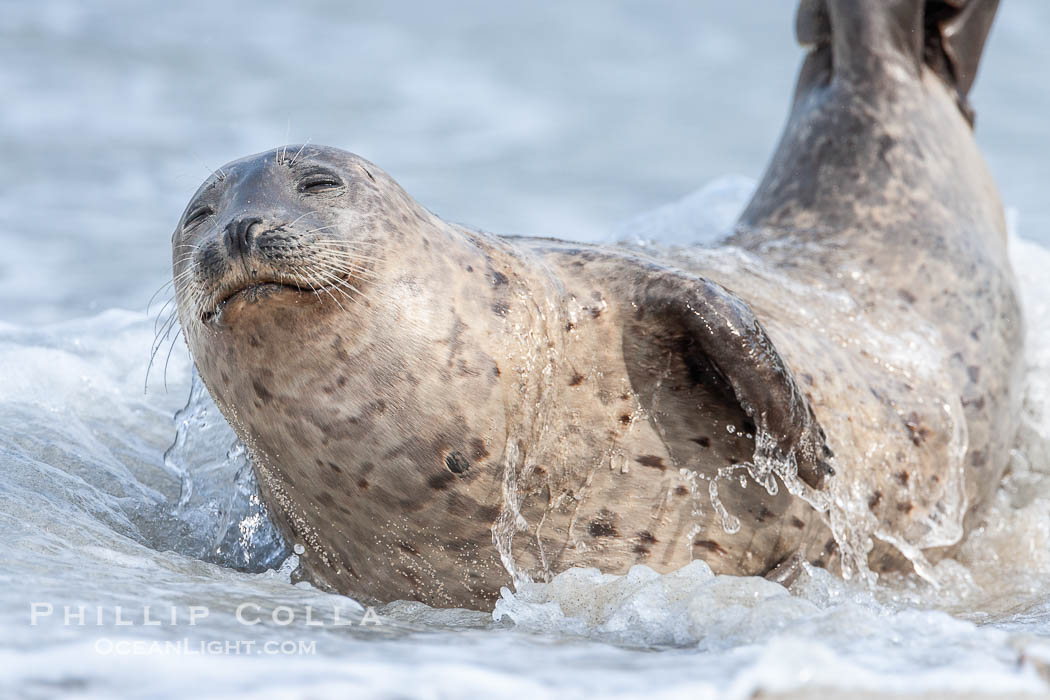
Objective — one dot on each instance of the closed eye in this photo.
(319, 183)
(197, 216)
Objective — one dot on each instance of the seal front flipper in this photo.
(722, 338)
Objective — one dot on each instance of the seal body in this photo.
(433, 411)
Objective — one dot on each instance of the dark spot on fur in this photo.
(335, 467)
(254, 341)
(487, 514)
(974, 372)
(441, 480)
(907, 296)
(261, 391)
(807, 378)
(595, 312)
(477, 449)
(603, 525)
(680, 490)
(500, 308)
(886, 143)
(495, 370)
(625, 418)
(641, 550)
(764, 514)
(919, 432)
(646, 537)
(341, 381)
(458, 505)
(362, 484)
(711, 546)
(461, 545)
(651, 461)
(881, 397)
(576, 379)
(325, 499)
(819, 564)
(703, 441)
(570, 326)
(905, 507)
(406, 547)
(469, 268)
(457, 463)
(795, 522)
(903, 477)
(225, 377)
(875, 499)
(498, 279)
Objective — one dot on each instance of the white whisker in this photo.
(298, 152)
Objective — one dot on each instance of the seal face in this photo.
(265, 228)
(433, 410)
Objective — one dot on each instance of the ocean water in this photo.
(136, 560)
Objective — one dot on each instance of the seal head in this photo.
(295, 227)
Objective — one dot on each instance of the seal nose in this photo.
(239, 236)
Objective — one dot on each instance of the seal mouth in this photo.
(251, 291)
(258, 290)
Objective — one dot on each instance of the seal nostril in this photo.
(239, 236)
(246, 233)
(231, 239)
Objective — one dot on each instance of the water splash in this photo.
(219, 496)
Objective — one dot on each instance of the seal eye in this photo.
(196, 216)
(319, 183)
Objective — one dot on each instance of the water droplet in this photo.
(730, 523)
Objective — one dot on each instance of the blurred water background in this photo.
(543, 118)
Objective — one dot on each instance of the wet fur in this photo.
(579, 401)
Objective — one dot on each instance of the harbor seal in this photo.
(435, 411)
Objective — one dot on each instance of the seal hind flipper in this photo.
(853, 38)
(955, 33)
(724, 333)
